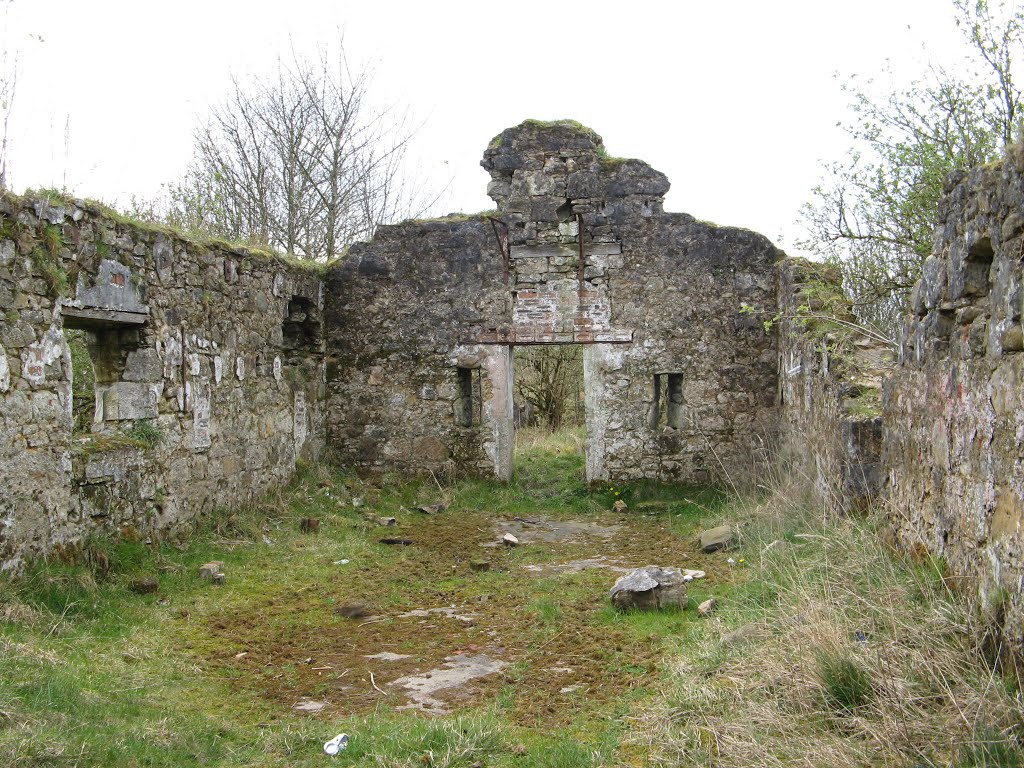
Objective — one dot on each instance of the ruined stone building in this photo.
(217, 367)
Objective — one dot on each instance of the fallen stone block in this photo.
(210, 570)
(651, 588)
(718, 538)
(353, 611)
(509, 540)
(706, 608)
(144, 586)
(432, 509)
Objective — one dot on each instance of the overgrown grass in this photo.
(846, 654)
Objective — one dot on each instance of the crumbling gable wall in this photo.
(954, 407)
(209, 374)
(680, 376)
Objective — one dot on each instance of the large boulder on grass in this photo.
(651, 588)
(722, 537)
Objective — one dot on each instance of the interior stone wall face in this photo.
(954, 407)
(218, 350)
(830, 381)
(580, 251)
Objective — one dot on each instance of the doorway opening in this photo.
(549, 410)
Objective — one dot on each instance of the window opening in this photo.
(300, 330)
(469, 404)
(977, 268)
(83, 380)
(675, 401)
(667, 405)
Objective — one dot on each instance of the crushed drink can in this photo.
(335, 745)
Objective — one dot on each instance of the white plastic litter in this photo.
(341, 562)
(335, 745)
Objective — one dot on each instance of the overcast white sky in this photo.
(735, 101)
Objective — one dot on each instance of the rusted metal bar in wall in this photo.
(579, 236)
(501, 235)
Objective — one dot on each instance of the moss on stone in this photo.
(50, 269)
(451, 218)
(866, 405)
(51, 233)
(609, 163)
(541, 125)
(575, 125)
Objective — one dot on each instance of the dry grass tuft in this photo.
(541, 440)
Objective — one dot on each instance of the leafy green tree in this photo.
(874, 215)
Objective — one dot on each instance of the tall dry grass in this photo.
(852, 656)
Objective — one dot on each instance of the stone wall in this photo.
(830, 382)
(208, 363)
(954, 408)
(679, 374)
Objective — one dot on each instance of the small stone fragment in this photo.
(620, 505)
(387, 522)
(509, 540)
(144, 586)
(432, 509)
(309, 525)
(718, 538)
(1013, 339)
(308, 705)
(744, 634)
(353, 611)
(210, 570)
(706, 608)
(479, 566)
